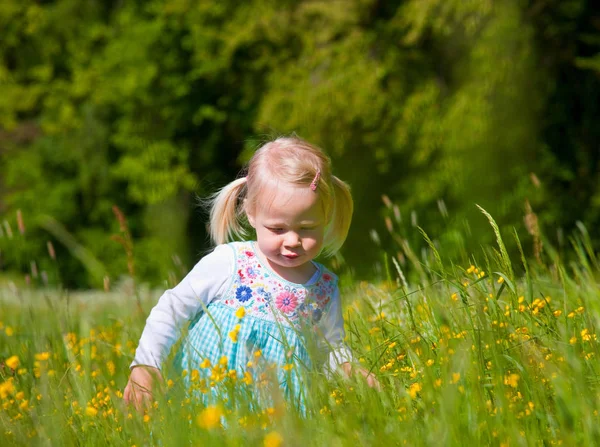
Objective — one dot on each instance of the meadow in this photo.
(494, 350)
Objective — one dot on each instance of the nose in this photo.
(292, 239)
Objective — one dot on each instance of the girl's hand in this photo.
(370, 377)
(139, 388)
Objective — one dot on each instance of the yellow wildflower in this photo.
(414, 389)
(455, 377)
(512, 380)
(91, 411)
(7, 388)
(454, 297)
(500, 280)
(42, 356)
(205, 363)
(12, 362)
(210, 417)
(557, 313)
(273, 439)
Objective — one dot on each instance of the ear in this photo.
(249, 215)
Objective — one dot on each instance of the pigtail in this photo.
(225, 212)
(341, 217)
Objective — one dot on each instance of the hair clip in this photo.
(313, 184)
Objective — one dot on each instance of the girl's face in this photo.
(289, 231)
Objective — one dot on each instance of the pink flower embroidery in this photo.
(286, 302)
(327, 277)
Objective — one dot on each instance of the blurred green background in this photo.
(147, 105)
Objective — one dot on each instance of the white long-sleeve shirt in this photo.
(208, 281)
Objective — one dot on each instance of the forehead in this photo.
(289, 204)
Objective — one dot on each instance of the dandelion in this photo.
(91, 411)
(12, 362)
(273, 439)
(210, 417)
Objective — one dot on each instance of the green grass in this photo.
(463, 357)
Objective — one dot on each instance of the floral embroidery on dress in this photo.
(243, 293)
(286, 302)
(265, 295)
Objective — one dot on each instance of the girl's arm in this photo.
(333, 328)
(207, 280)
(340, 355)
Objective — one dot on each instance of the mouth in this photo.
(291, 256)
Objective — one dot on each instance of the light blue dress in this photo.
(281, 319)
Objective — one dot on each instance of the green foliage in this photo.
(438, 104)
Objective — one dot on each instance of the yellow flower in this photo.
(258, 353)
(210, 417)
(146, 418)
(500, 280)
(573, 340)
(414, 389)
(205, 363)
(273, 439)
(430, 362)
(288, 366)
(223, 360)
(585, 335)
(7, 388)
(512, 380)
(9, 331)
(454, 297)
(240, 313)
(557, 313)
(12, 362)
(42, 356)
(455, 377)
(91, 411)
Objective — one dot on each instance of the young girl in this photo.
(256, 299)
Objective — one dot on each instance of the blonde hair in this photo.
(290, 160)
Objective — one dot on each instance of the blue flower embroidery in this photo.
(243, 293)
